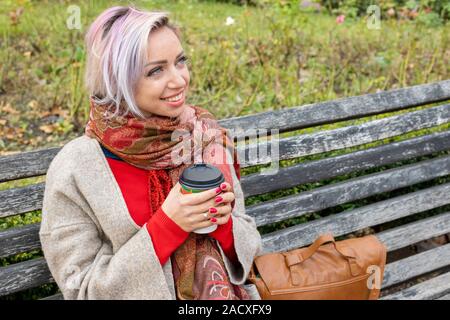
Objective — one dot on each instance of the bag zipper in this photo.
(330, 285)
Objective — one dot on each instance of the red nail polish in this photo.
(212, 210)
(218, 190)
(213, 220)
(218, 199)
(223, 186)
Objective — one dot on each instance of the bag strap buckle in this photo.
(292, 259)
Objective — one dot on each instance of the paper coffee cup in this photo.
(198, 178)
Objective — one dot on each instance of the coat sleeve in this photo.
(247, 240)
(80, 258)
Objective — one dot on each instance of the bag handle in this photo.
(252, 273)
(293, 258)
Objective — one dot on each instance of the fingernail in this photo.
(218, 199)
(218, 190)
(212, 210)
(213, 220)
(223, 186)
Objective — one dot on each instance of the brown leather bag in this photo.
(350, 269)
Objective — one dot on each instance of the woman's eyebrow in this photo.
(164, 61)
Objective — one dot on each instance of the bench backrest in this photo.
(349, 140)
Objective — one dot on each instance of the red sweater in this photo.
(166, 235)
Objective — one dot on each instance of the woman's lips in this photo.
(178, 103)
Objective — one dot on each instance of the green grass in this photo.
(271, 58)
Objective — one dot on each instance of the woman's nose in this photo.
(177, 80)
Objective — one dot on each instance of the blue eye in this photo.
(152, 72)
(183, 59)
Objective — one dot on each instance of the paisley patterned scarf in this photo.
(197, 265)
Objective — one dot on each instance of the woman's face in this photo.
(166, 75)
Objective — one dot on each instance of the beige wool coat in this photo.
(93, 247)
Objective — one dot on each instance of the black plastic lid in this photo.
(201, 176)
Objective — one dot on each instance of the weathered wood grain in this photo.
(414, 232)
(343, 109)
(428, 290)
(19, 277)
(26, 164)
(57, 296)
(346, 191)
(357, 219)
(345, 137)
(331, 167)
(397, 272)
(416, 265)
(23, 239)
(24, 275)
(30, 164)
(20, 200)
(20, 239)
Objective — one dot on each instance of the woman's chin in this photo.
(177, 111)
(166, 111)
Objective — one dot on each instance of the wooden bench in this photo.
(322, 154)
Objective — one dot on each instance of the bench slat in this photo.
(58, 296)
(412, 233)
(357, 219)
(24, 275)
(20, 239)
(331, 167)
(395, 272)
(428, 290)
(416, 265)
(345, 137)
(349, 190)
(20, 200)
(402, 236)
(26, 164)
(34, 163)
(343, 109)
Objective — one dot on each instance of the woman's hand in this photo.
(223, 208)
(192, 211)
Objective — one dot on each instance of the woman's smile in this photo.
(175, 101)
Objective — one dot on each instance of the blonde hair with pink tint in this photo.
(116, 48)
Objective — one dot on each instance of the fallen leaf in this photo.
(57, 110)
(33, 104)
(45, 114)
(15, 15)
(7, 153)
(8, 109)
(47, 128)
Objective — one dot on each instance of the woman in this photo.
(114, 223)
